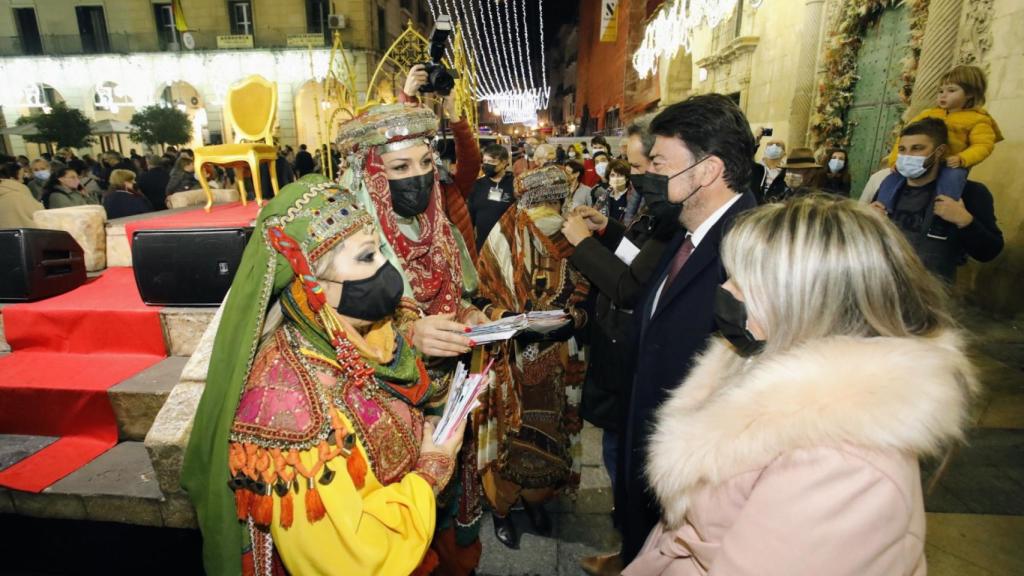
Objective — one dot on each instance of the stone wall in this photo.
(996, 285)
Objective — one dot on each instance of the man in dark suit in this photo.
(701, 162)
(304, 163)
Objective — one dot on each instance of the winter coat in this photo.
(17, 205)
(61, 197)
(804, 463)
(972, 134)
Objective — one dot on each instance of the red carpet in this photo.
(68, 350)
(221, 216)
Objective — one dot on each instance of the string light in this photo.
(673, 28)
(507, 85)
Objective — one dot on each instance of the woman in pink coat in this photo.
(792, 447)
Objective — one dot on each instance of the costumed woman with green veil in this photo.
(392, 166)
(310, 453)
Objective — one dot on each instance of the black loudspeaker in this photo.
(187, 267)
(37, 264)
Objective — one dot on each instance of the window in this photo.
(382, 30)
(317, 12)
(241, 17)
(165, 28)
(92, 28)
(28, 31)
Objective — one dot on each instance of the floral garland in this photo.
(835, 91)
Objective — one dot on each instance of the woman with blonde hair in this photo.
(792, 447)
(122, 199)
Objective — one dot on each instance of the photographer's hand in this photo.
(417, 77)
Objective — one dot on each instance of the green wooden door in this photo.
(876, 104)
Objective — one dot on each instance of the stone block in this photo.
(198, 364)
(198, 198)
(44, 505)
(184, 328)
(168, 437)
(124, 510)
(6, 502)
(138, 400)
(4, 346)
(86, 224)
(178, 512)
(119, 253)
(118, 486)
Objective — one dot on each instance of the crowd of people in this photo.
(767, 358)
(124, 186)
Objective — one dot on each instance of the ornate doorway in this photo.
(877, 107)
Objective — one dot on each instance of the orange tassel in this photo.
(356, 465)
(242, 501)
(287, 510)
(315, 510)
(263, 509)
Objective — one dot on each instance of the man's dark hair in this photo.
(711, 125)
(78, 166)
(10, 170)
(497, 151)
(599, 141)
(600, 153)
(620, 167)
(934, 128)
(576, 166)
(302, 147)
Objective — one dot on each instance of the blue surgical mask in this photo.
(912, 167)
(773, 152)
(835, 165)
(42, 174)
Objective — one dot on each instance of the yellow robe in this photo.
(378, 530)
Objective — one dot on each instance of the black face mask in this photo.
(372, 298)
(731, 317)
(490, 170)
(410, 196)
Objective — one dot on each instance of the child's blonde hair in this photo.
(972, 80)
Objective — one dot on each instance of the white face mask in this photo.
(601, 169)
(572, 154)
(911, 167)
(773, 152)
(835, 165)
(42, 174)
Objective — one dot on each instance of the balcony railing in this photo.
(124, 43)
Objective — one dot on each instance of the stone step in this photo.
(138, 400)
(182, 328)
(118, 486)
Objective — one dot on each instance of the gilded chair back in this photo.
(251, 107)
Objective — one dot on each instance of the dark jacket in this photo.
(153, 185)
(180, 180)
(775, 192)
(120, 203)
(612, 339)
(981, 239)
(667, 345)
(304, 163)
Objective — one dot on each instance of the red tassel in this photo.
(262, 509)
(287, 510)
(356, 465)
(315, 510)
(242, 500)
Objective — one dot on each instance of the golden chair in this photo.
(250, 106)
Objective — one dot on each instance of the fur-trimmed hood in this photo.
(732, 416)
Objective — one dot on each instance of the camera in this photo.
(767, 131)
(439, 79)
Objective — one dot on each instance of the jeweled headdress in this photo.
(542, 186)
(391, 126)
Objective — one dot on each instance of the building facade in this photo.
(110, 57)
(789, 67)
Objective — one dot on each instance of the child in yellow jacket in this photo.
(973, 133)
